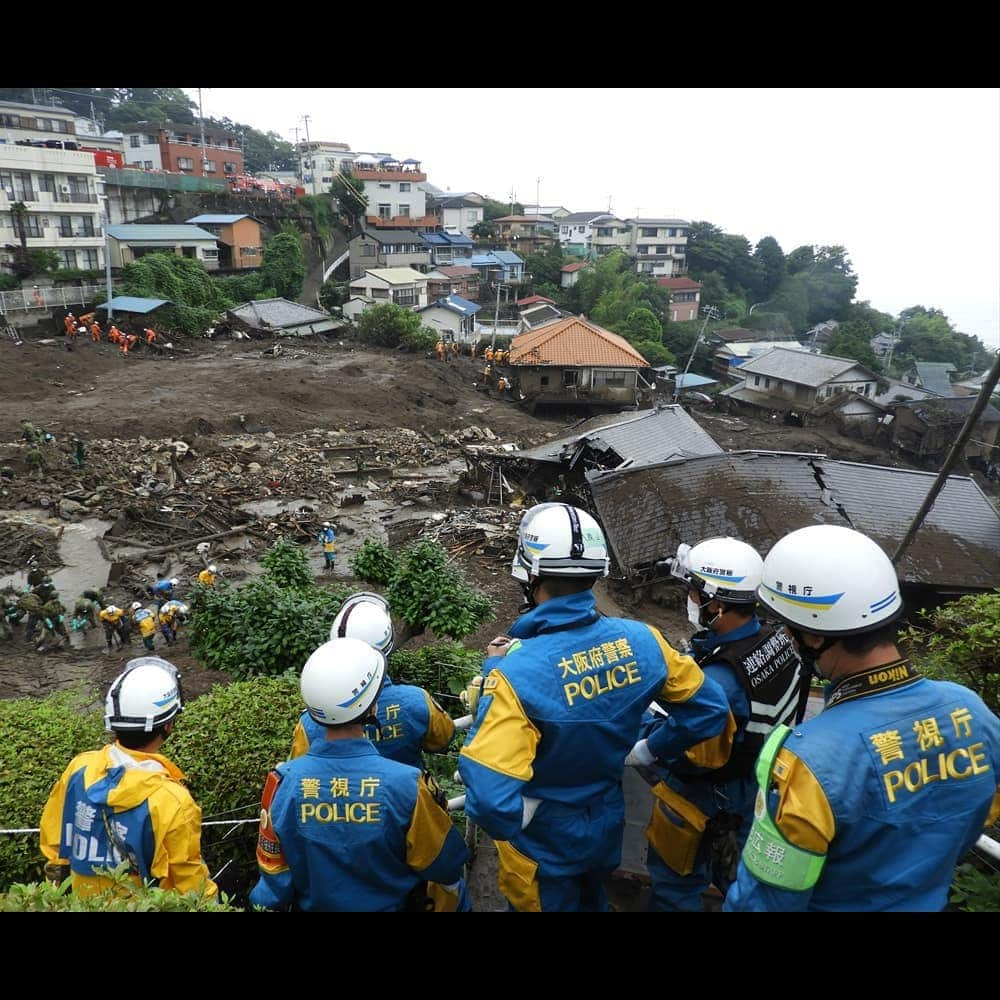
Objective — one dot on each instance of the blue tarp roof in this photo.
(507, 257)
(447, 239)
(216, 220)
(692, 381)
(133, 304)
(457, 304)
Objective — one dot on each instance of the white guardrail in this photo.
(48, 297)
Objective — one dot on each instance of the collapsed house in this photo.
(759, 496)
(279, 318)
(609, 441)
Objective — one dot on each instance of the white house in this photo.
(402, 286)
(453, 316)
(784, 380)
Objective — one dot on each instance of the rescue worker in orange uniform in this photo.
(114, 335)
(69, 321)
(95, 332)
(150, 334)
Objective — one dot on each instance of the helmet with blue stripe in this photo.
(341, 680)
(724, 568)
(146, 694)
(830, 580)
(555, 539)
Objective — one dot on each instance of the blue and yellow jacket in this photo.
(155, 823)
(557, 717)
(891, 788)
(328, 539)
(344, 828)
(409, 720)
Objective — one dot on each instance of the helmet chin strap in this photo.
(810, 654)
(529, 589)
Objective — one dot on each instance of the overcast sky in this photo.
(907, 180)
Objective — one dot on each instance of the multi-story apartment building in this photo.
(458, 213)
(525, 233)
(396, 198)
(577, 228)
(659, 246)
(610, 233)
(320, 162)
(178, 148)
(60, 190)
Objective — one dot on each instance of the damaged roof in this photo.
(574, 341)
(277, 314)
(801, 368)
(950, 410)
(640, 438)
(760, 496)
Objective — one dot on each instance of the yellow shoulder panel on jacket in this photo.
(684, 676)
(803, 815)
(440, 726)
(716, 751)
(506, 738)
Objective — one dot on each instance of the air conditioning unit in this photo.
(64, 188)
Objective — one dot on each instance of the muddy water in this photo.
(84, 563)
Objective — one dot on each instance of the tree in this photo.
(351, 197)
(610, 273)
(333, 294)
(642, 325)
(830, 284)
(654, 352)
(493, 209)
(389, 325)
(261, 150)
(484, 231)
(284, 266)
(546, 267)
(18, 214)
(852, 339)
(772, 264)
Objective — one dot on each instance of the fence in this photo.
(49, 297)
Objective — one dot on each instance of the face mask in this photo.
(694, 613)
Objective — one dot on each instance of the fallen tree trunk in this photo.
(164, 549)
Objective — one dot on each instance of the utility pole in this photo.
(201, 119)
(538, 204)
(496, 317)
(512, 200)
(710, 313)
(305, 119)
(107, 253)
(299, 172)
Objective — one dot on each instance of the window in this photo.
(85, 226)
(208, 166)
(648, 268)
(22, 187)
(661, 248)
(767, 383)
(407, 297)
(67, 258)
(472, 216)
(250, 251)
(648, 231)
(404, 210)
(643, 248)
(134, 140)
(404, 186)
(228, 168)
(385, 187)
(185, 163)
(570, 378)
(148, 164)
(65, 225)
(150, 139)
(385, 211)
(209, 254)
(31, 225)
(545, 380)
(10, 121)
(90, 259)
(614, 378)
(868, 388)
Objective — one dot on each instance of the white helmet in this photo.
(830, 580)
(326, 524)
(174, 581)
(145, 694)
(365, 620)
(724, 568)
(136, 605)
(111, 609)
(213, 569)
(341, 680)
(555, 539)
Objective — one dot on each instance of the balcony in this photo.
(375, 174)
(76, 197)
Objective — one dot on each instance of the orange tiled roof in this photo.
(574, 341)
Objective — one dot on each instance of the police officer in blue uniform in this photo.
(561, 704)
(871, 804)
(703, 806)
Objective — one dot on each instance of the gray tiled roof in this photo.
(278, 313)
(761, 496)
(644, 437)
(799, 367)
(933, 376)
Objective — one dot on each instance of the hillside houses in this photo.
(783, 381)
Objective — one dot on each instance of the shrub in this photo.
(958, 641)
(427, 592)
(38, 739)
(975, 891)
(374, 562)
(442, 668)
(269, 625)
(123, 897)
